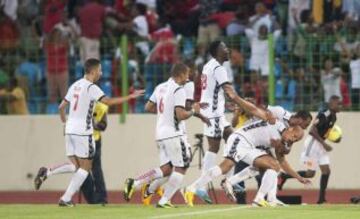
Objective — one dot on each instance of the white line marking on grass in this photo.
(200, 212)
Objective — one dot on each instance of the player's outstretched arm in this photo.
(288, 169)
(62, 110)
(119, 100)
(247, 106)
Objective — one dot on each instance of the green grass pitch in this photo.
(201, 211)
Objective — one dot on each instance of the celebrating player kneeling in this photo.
(249, 144)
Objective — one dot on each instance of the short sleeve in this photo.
(279, 112)
(95, 92)
(221, 75)
(68, 95)
(180, 97)
(153, 97)
(189, 89)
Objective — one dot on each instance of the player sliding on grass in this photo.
(249, 144)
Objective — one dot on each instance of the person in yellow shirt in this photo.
(15, 98)
(94, 188)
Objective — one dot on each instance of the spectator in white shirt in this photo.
(355, 78)
(330, 80)
(259, 60)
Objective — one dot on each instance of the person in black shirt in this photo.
(316, 149)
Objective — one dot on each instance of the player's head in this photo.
(192, 68)
(335, 104)
(219, 50)
(139, 9)
(292, 134)
(92, 68)
(301, 118)
(180, 73)
(328, 64)
(263, 31)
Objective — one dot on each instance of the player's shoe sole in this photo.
(228, 189)
(129, 189)
(69, 204)
(40, 177)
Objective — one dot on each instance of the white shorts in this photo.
(238, 149)
(80, 146)
(217, 127)
(314, 154)
(175, 151)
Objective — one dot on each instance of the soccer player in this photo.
(316, 150)
(168, 101)
(79, 141)
(215, 85)
(301, 118)
(249, 144)
(149, 189)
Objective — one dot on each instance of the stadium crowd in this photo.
(44, 43)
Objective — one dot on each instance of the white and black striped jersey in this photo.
(213, 77)
(82, 96)
(167, 96)
(324, 121)
(259, 133)
(281, 114)
(189, 91)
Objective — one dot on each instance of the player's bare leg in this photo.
(325, 174)
(283, 177)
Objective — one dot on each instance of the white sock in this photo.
(243, 175)
(172, 185)
(148, 177)
(154, 185)
(75, 183)
(266, 184)
(205, 178)
(59, 169)
(272, 193)
(208, 162)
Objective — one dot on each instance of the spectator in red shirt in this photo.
(91, 18)
(159, 61)
(53, 12)
(57, 67)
